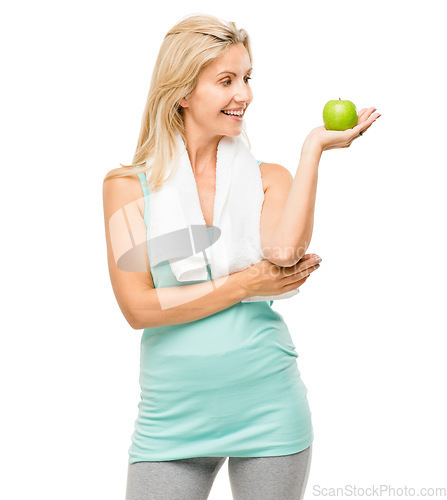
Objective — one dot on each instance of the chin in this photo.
(234, 133)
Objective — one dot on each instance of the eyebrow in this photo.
(231, 72)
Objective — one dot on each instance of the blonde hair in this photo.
(187, 48)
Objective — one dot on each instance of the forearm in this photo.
(186, 303)
(294, 230)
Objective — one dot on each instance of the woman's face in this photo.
(219, 89)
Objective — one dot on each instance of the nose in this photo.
(243, 94)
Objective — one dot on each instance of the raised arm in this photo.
(288, 211)
(289, 204)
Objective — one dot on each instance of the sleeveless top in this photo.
(226, 385)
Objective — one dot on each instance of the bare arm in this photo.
(185, 303)
(182, 304)
(288, 226)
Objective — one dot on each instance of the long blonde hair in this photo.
(187, 48)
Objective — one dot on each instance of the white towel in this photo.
(177, 228)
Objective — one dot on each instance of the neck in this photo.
(202, 151)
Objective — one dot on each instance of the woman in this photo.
(218, 376)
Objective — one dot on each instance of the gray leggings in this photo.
(251, 478)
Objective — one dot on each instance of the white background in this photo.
(368, 325)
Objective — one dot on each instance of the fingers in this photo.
(368, 118)
(294, 285)
(369, 122)
(300, 267)
(360, 113)
(303, 274)
(310, 261)
(306, 257)
(364, 114)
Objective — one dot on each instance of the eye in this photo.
(228, 81)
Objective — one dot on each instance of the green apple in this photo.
(339, 115)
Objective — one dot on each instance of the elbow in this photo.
(294, 256)
(141, 322)
(287, 261)
(133, 323)
(279, 256)
(141, 316)
(132, 319)
(296, 251)
(287, 252)
(286, 256)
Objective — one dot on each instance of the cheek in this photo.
(210, 100)
(213, 97)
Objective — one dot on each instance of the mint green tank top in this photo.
(226, 385)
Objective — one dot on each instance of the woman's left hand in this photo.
(337, 139)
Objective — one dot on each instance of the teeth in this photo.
(237, 113)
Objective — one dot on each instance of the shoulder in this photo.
(274, 173)
(119, 191)
(124, 179)
(120, 171)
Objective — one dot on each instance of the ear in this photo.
(183, 103)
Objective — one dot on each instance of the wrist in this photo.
(311, 145)
(242, 282)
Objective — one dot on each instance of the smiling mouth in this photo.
(238, 117)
